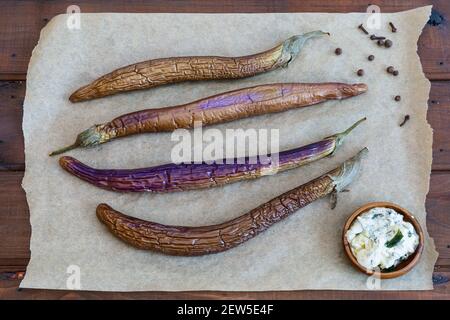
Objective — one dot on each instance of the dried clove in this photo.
(374, 37)
(363, 29)
(338, 51)
(407, 117)
(395, 73)
(380, 42)
(371, 57)
(393, 28)
(398, 98)
(360, 72)
(390, 69)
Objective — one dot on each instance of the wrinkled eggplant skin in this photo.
(202, 240)
(229, 106)
(181, 177)
(172, 70)
(157, 72)
(195, 241)
(221, 108)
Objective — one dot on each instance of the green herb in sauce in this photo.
(380, 238)
(396, 239)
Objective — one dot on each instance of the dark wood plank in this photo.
(21, 21)
(439, 118)
(12, 155)
(12, 151)
(9, 290)
(20, 24)
(438, 222)
(15, 233)
(15, 230)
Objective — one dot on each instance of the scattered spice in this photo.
(393, 28)
(388, 43)
(380, 42)
(405, 120)
(360, 72)
(338, 51)
(371, 57)
(395, 73)
(398, 98)
(390, 69)
(363, 29)
(374, 37)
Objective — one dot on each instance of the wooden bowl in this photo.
(404, 266)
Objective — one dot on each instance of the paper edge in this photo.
(24, 183)
(431, 243)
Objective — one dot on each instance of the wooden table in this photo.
(20, 24)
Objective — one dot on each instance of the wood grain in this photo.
(8, 290)
(15, 229)
(20, 25)
(21, 22)
(439, 118)
(12, 155)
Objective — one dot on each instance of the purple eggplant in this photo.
(187, 176)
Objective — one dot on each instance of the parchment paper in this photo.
(301, 252)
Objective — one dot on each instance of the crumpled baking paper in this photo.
(70, 248)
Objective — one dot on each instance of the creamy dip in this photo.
(379, 238)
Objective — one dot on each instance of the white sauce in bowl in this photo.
(379, 238)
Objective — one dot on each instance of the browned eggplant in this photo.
(195, 241)
(229, 106)
(164, 71)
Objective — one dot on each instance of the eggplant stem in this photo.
(347, 171)
(89, 137)
(62, 150)
(339, 137)
(346, 132)
(293, 45)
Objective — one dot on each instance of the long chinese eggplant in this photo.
(195, 241)
(164, 71)
(220, 108)
(181, 177)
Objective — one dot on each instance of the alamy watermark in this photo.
(73, 17)
(73, 281)
(373, 22)
(373, 282)
(234, 146)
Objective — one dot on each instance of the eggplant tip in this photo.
(73, 97)
(101, 208)
(63, 161)
(62, 150)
